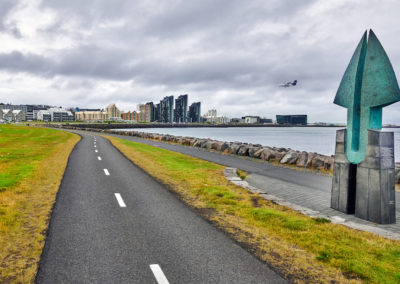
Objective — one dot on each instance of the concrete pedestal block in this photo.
(344, 178)
(366, 189)
(375, 189)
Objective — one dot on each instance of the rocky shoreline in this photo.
(279, 156)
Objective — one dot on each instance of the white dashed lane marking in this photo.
(120, 200)
(158, 274)
(99, 158)
(106, 172)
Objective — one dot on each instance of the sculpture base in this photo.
(366, 189)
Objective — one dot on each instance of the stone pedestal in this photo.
(344, 178)
(366, 189)
(375, 190)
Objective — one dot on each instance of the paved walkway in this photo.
(305, 189)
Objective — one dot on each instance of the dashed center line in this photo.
(95, 146)
(120, 200)
(96, 151)
(106, 172)
(158, 274)
(99, 158)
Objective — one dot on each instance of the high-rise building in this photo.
(149, 115)
(167, 109)
(142, 113)
(157, 112)
(180, 113)
(194, 112)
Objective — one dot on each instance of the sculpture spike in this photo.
(368, 84)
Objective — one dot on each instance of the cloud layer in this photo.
(228, 54)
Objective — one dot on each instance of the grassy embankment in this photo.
(302, 248)
(32, 163)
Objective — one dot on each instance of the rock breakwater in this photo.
(280, 156)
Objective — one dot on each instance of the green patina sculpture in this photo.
(368, 85)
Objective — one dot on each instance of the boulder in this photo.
(220, 146)
(243, 150)
(302, 160)
(328, 166)
(290, 158)
(197, 143)
(235, 148)
(267, 154)
(279, 155)
(252, 150)
(318, 162)
(309, 160)
(257, 154)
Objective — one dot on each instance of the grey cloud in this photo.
(203, 48)
(29, 63)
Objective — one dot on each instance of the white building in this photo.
(55, 114)
(18, 115)
(251, 119)
(9, 115)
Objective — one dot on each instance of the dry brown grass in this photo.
(301, 248)
(26, 208)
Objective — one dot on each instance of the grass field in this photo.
(32, 163)
(301, 248)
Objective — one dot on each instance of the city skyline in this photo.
(227, 56)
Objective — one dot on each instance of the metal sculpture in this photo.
(363, 178)
(368, 85)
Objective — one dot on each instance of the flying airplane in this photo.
(289, 84)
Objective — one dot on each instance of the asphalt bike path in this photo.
(113, 223)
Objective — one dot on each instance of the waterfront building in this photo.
(149, 112)
(236, 120)
(167, 109)
(264, 120)
(210, 116)
(292, 119)
(195, 112)
(30, 111)
(180, 113)
(141, 112)
(130, 116)
(157, 112)
(251, 119)
(14, 107)
(97, 115)
(113, 112)
(91, 116)
(55, 115)
(12, 115)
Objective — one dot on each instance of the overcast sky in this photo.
(230, 55)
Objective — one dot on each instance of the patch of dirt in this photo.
(254, 201)
(206, 213)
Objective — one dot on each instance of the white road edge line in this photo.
(106, 172)
(120, 200)
(158, 273)
(99, 158)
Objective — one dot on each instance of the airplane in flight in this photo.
(288, 84)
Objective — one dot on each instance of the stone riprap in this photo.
(283, 156)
